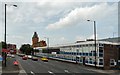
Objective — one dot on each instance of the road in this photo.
(53, 67)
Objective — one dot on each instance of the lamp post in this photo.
(5, 55)
(47, 44)
(94, 38)
(47, 41)
(114, 34)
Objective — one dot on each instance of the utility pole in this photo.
(4, 53)
(94, 40)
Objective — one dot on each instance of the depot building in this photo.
(107, 53)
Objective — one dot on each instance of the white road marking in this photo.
(51, 72)
(66, 71)
(32, 72)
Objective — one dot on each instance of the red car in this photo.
(24, 57)
(15, 63)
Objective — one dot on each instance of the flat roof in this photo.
(87, 42)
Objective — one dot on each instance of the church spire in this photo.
(35, 35)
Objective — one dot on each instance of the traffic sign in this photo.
(5, 50)
(1, 59)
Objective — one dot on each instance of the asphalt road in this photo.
(53, 67)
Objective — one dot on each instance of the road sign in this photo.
(5, 50)
(1, 59)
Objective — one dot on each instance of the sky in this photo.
(62, 22)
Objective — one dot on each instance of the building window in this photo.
(101, 44)
(90, 44)
(112, 62)
(100, 54)
(100, 61)
(90, 54)
(83, 54)
(90, 61)
(100, 51)
(86, 54)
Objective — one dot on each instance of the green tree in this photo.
(36, 50)
(3, 44)
(26, 49)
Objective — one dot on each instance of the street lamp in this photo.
(94, 38)
(47, 41)
(5, 33)
(47, 38)
(114, 34)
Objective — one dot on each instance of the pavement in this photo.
(11, 69)
(0, 67)
(110, 72)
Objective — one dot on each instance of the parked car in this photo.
(15, 63)
(25, 57)
(29, 57)
(13, 56)
(35, 58)
(8, 55)
(44, 59)
(21, 55)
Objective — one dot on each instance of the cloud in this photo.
(34, 16)
(17, 39)
(84, 13)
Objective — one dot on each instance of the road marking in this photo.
(44, 62)
(66, 71)
(32, 72)
(51, 72)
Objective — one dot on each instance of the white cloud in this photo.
(17, 39)
(82, 14)
(29, 17)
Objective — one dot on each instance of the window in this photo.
(90, 44)
(74, 53)
(100, 54)
(90, 54)
(101, 51)
(86, 45)
(77, 46)
(112, 62)
(86, 61)
(101, 44)
(90, 60)
(77, 53)
(100, 61)
(83, 54)
(86, 54)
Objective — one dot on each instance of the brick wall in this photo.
(110, 52)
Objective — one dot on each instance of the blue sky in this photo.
(61, 21)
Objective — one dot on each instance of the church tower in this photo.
(36, 42)
(35, 39)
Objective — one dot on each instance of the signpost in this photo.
(1, 59)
